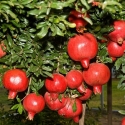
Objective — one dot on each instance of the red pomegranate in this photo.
(123, 121)
(76, 14)
(96, 74)
(2, 48)
(80, 25)
(74, 79)
(118, 35)
(114, 49)
(33, 104)
(87, 94)
(79, 48)
(97, 89)
(72, 108)
(57, 84)
(15, 80)
(57, 104)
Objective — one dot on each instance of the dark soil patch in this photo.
(96, 117)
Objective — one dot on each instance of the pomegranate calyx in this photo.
(120, 41)
(81, 89)
(12, 94)
(85, 63)
(30, 116)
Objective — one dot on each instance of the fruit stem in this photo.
(28, 91)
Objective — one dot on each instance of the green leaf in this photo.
(74, 106)
(48, 74)
(40, 25)
(20, 108)
(59, 32)
(24, 2)
(43, 32)
(118, 63)
(14, 107)
(85, 3)
(122, 112)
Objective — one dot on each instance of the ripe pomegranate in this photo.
(57, 104)
(72, 108)
(80, 25)
(33, 104)
(79, 48)
(76, 14)
(118, 35)
(15, 80)
(114, 49)
(74, 79)
(96, 74)
(2, 48)
(123, 121)
(87, 94)
(57, 84)
(97, 89)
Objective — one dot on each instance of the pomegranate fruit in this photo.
(79, 48)
(74, 79)
(76, 14)
(33, 104)
(80, 25)
(57, 84)
(96, 74)
(123, 121)
(15, 80)
(97, 89)
(87, 94)
(118, 35)
(2, 48)
(114, 49)
(72, 108)
(57, 104)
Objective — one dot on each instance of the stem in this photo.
(28, 91)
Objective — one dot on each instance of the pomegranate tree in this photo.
(33, 104)
(15, 80)
(42, 41)
(79, 48)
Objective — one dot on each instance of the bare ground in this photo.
(99, 117)
(116, 119)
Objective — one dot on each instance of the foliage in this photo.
(36, 32)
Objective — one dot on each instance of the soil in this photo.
(116, 118)
(101, 117)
